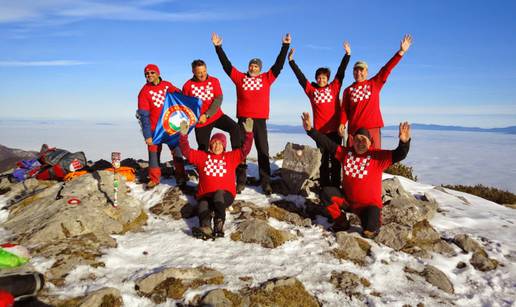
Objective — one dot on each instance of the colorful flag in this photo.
(177, 108)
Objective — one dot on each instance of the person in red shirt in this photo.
(207, 88)
(150, 104)
(362, 176)
(216, 189)
(361, 100)
(253, 101)
(324, 98)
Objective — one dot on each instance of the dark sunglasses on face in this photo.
(150, 73)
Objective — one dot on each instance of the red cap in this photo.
(6, 299)
(219, 137)
(151, 67)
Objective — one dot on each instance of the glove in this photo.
(184, 127)
(248, 125)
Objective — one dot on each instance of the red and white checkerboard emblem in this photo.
(356, 166)
(158, 97)
(323, 96)
(360, 93)
(203, 92)
(215, 167)
(252, 84)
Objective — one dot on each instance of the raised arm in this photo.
(343, 63)
(217, 42)
(318, 137)
(402, 150)
(384, 73)
(299, 74)
(215, 105)
(280, 60)
(248, 140)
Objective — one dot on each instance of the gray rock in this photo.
(349, 283)
(279, 292)
(175, 205)
(394, 235)
(221, 298)
(259, 231)
(480, 261)
(392, 188)
(300, 162)
(467, 244)
(437, 278)
(351, 248)
(174, 282)
(423, 233)
(288, 216)
(103, 297)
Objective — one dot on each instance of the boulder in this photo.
(174, 205)
(300, 162)
(288, 216)
(351, 248)
(467, 244)
(259, 231)
(174, 282)
(394, 235)
(480, 261)
(279, 292)
(350, 283)
(100, 298)
(222, 298)
(437, 278)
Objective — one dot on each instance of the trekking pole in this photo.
(115, 160)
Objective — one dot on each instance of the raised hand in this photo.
(248, 125)
(404, 133)
(148, 141)
(347, 47)
(203, 119)
(405, 43)
(291, 54)
(306, 121)
(216, 39)
(287, 39)
(183, 127)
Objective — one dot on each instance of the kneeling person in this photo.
(217, 183)
(362, 176)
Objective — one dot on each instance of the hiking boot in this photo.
(241, 177)
(151, 185)
(203, 233)
(369, 234)
(218, 227)
(266, 187)
(341, 223)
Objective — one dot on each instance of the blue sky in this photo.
(84, 59)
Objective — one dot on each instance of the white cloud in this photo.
(41, 63)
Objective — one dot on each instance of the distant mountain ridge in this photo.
(507, 130)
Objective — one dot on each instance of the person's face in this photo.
(216, 147)
(152, 77)
(200, 73)
(254, 70)
(322, 80)
(360, 74)
(361, 144)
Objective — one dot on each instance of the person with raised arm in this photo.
(324, 98)
(253, 101)
(216, 167)
(363, 166)
(361, 100)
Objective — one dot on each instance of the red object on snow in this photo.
(74, 201)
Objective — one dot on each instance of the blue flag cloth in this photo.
(177, 108)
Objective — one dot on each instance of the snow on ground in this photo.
(168, 243)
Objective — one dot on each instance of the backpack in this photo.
(57, 163)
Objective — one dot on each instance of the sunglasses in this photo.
(150, 73)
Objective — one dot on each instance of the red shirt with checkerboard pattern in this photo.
(207, 91)
(216, 172)
(152, 97)
(253, 93)
(325, 105)
(362, 175)
(361, 100)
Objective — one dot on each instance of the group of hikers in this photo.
(350, 174)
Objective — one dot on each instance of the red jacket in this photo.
(362, 175)
(253, 93)
(216, 172)
(152, 97)
(207, 91)
(361, 100)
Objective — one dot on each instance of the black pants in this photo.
(224, 123)
(217, 203)
(262, 145)
(330, 167)
(369, 215)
